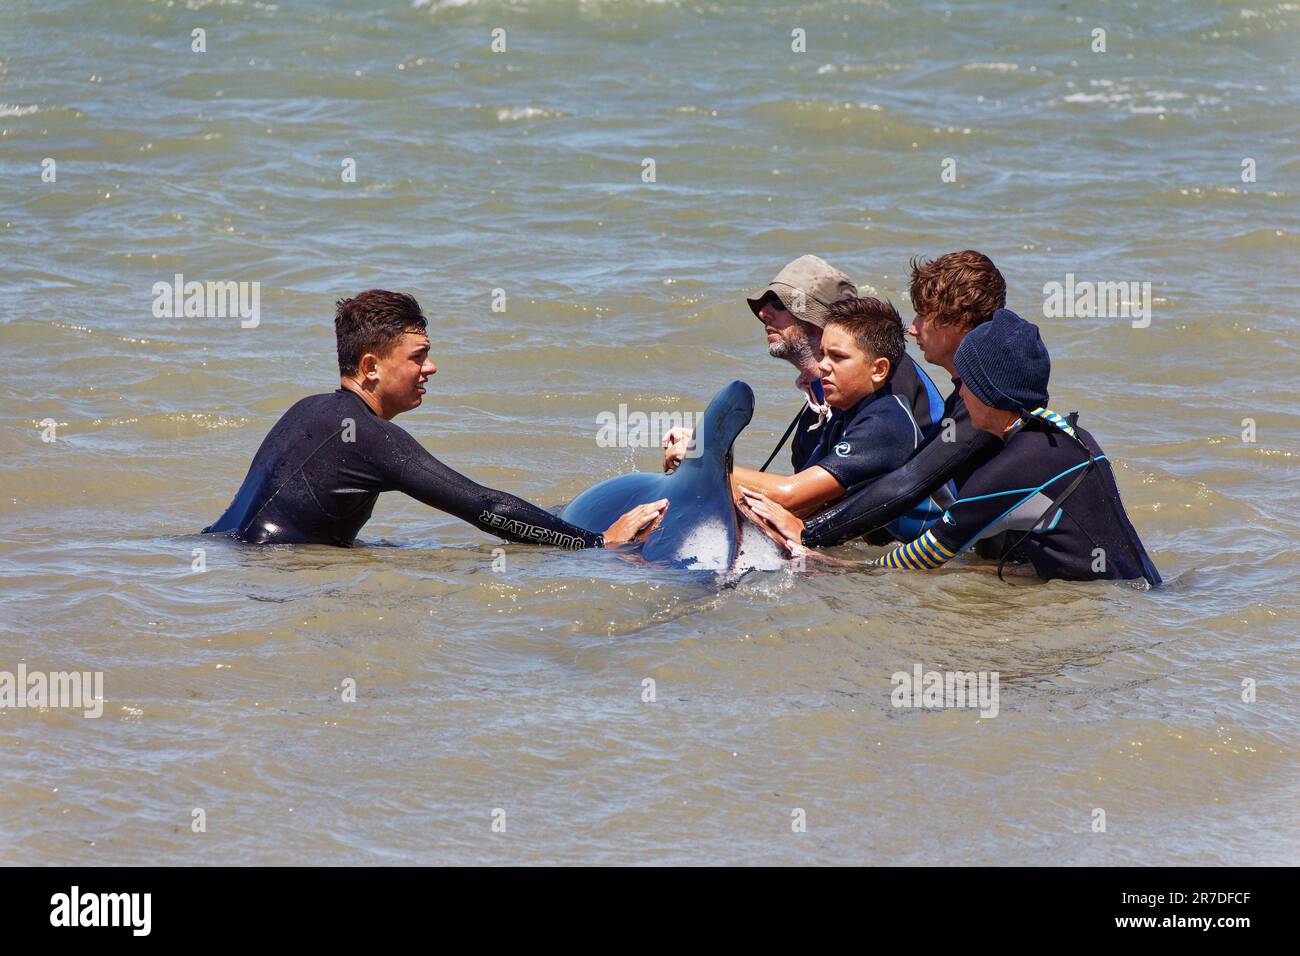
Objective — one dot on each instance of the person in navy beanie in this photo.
(1049, 490)
(1005, 364)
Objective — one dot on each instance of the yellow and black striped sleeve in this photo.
(923, 554)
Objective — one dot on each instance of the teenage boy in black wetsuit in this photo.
(951, 296)
(319, 471)
(1049, 488)
(871, 430)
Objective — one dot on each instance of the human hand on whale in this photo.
(642, 518)
(676, 443)
(781, 525)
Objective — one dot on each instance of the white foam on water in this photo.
(513, 114)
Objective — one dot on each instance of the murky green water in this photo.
(521, 689)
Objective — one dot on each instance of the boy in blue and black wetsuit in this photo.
(807, 289)
(924, 405)
(1049, 487)
(871, 430)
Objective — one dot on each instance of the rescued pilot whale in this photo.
(701, 530)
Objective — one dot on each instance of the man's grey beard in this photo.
(798, 353)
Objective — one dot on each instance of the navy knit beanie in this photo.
(1005, 363)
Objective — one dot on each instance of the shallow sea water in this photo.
(521, 689)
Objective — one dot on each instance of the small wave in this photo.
(1140, 101)
(1279, 8)
(11, 109)
(996, 67)
(1262, 239)
(516, 113)
(170, 424)
(872, 68)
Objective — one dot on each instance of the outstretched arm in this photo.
(804, 493)
(924, 554)
(426, 479)
(895, 493)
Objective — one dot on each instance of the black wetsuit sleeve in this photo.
(894, 494)
(428, 480)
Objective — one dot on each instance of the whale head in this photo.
(701, 527)
(701, 530)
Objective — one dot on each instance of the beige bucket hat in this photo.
(807, 287)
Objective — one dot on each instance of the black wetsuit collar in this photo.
(358, 398)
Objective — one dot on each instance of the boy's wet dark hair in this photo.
(373, 322)
(876, 327)
(960, 288)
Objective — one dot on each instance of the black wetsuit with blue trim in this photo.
(320, 469)
(1084, 536)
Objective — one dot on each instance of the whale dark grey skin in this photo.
(701, 528)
